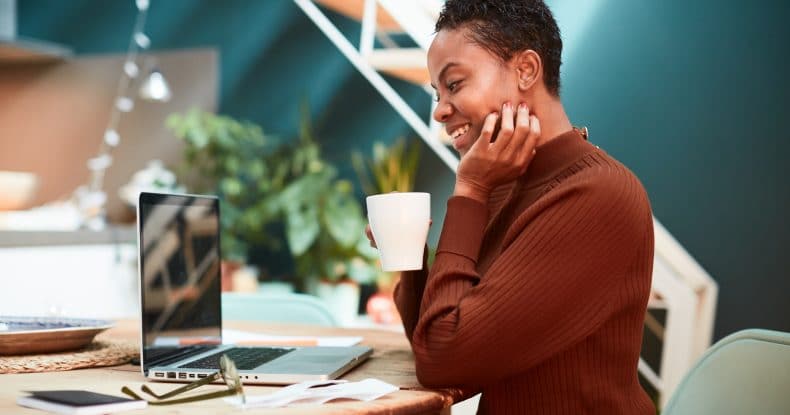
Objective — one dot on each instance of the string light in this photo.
(111, 138)
(131, 69)
(142, 40)
(92, 199)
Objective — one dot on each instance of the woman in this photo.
(542, 274)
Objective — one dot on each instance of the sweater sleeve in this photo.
(408, 295)
(551, 286)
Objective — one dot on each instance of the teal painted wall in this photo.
(272, 59)
(692, 96)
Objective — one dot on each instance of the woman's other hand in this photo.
(369, 234)
(489, 164)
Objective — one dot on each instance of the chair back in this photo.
(276, 308)
(747, 372)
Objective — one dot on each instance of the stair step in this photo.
(409, 64)
(355, 9)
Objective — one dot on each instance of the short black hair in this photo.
(505, 27)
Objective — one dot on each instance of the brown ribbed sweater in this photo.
(538, 299)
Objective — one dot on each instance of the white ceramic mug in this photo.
(400, 222)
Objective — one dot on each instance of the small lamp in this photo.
(155, 87)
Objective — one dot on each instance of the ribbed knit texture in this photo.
(538, 299)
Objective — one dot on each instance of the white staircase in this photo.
(361, 57)
(680, 285)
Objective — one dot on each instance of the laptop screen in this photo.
(180, 270)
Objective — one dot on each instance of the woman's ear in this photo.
(528, 68)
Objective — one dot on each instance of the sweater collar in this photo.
(554, 156)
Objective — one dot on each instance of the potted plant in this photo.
(324, 226)
(390, 169)
(263, 184)
(244, 167)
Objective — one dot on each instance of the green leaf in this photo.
(411, 162)
(361, 271)
(232, 187)
(390, 168)
(232, 165)
(333, 268)
(358, 163)
(302, 228)
(304, 190)
(343, 218)
(198, 138)
(233, 249)
(256, 170)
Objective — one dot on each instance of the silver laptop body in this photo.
(180, 303)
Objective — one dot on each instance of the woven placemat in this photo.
(97, 354)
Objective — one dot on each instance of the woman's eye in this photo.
(451, 86)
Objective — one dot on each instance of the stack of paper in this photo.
(317, 392)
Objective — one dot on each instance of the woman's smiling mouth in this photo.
(459, 136)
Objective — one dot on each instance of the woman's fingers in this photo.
(488, 128)
(485, 134)
(506, 127)
(531, 141)
(534, 131)
(369, 234)
(487, 164)
(521, 131)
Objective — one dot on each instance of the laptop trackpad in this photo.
(313, 360)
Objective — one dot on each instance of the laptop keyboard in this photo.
(161, 356)
(152, 355)
(245, 358)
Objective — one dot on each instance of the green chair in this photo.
(747, 372)
(276, 308)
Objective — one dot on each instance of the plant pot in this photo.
(341, 297)
(245, 279)
(227, 269)
(381, 307)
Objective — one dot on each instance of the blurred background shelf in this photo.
(111, 235)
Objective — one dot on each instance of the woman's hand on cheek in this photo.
(489, 164)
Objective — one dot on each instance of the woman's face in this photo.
(470, 83)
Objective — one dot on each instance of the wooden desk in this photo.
(392, 362)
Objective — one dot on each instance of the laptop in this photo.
(180, 303)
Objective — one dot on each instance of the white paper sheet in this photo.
(317, 392)
(253, 339)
